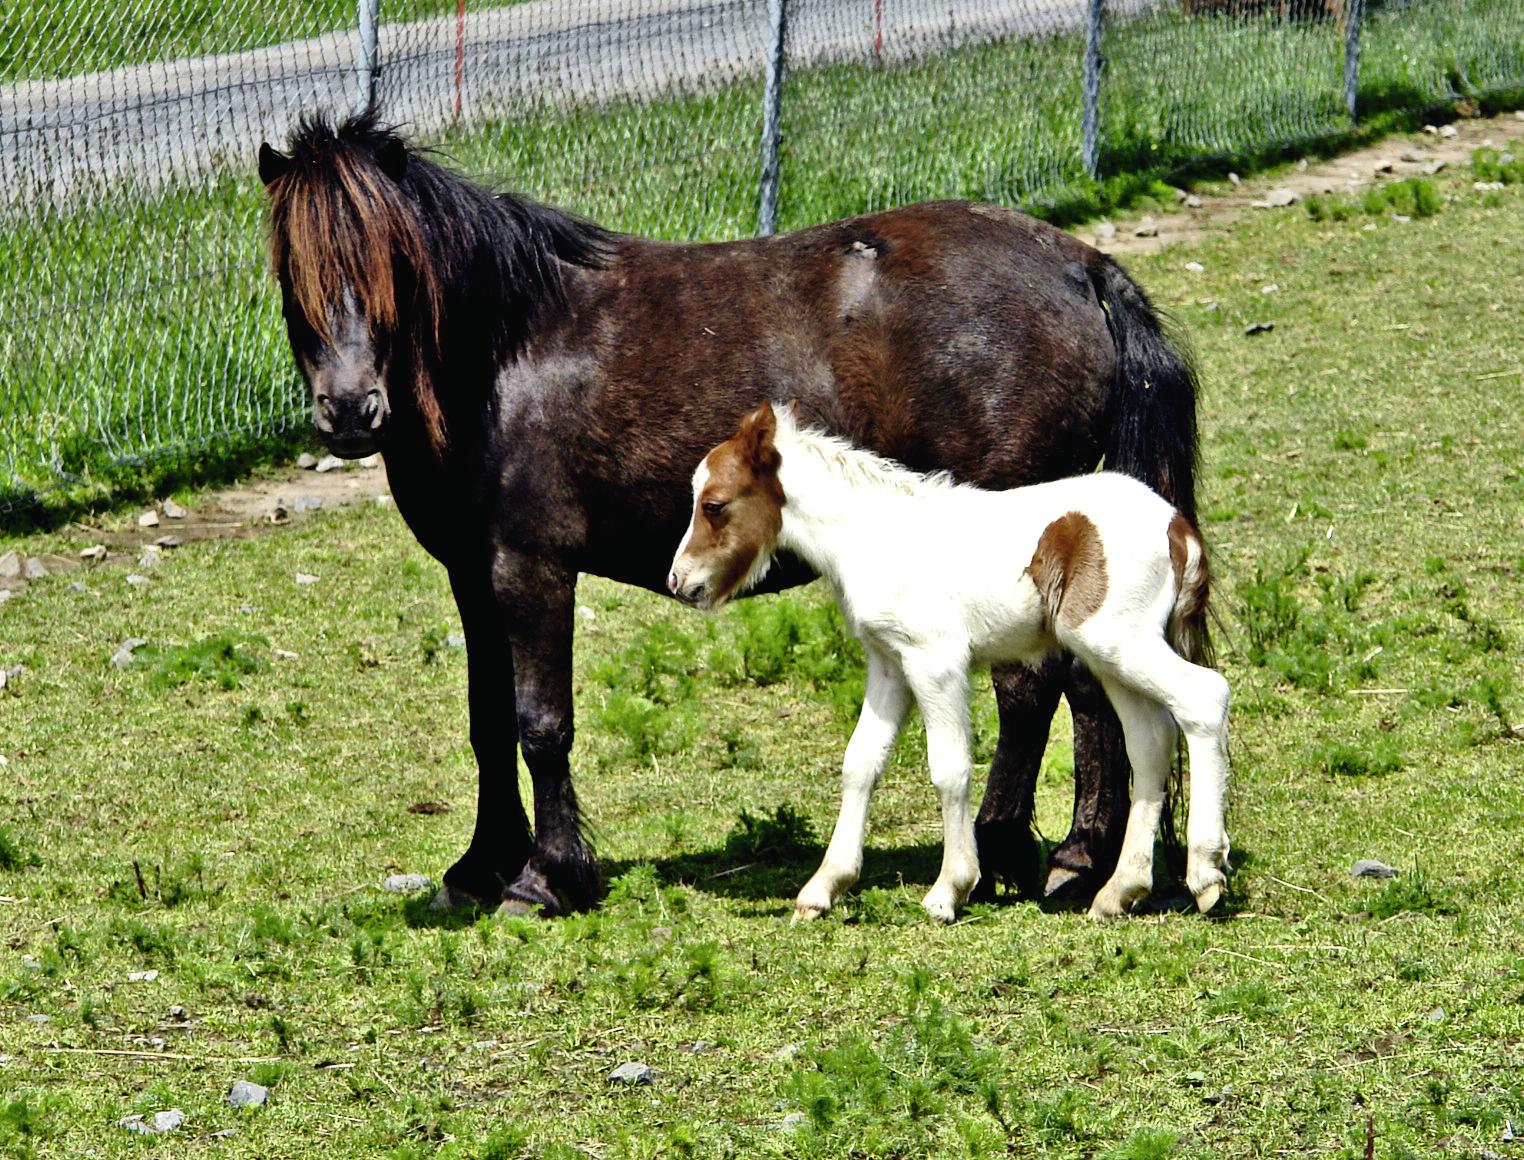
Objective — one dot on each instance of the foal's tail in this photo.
(1186, 628)
(1152, 433)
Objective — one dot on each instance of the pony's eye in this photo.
(713, 507)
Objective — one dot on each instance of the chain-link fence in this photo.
(136, 317)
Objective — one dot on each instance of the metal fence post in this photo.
(1090, 126)
(1353, 11)
(368, 66)
(772, 119)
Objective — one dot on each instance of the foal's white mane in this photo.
(852, 465)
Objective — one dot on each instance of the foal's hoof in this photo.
(515, 908)
(1116, 901)
(1208, 897)
(804, 913)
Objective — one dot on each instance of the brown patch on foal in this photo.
(738, 514)
(1069, 569)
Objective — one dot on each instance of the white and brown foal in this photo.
(934, 578)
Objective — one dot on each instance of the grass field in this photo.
(223, 812)
(139, 327)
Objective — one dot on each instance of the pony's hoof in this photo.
(449, 899)
(515, 908)
(1208, 897)
(1062, 884)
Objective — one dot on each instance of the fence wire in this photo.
(136, 316)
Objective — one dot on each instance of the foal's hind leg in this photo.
(1150, 738)
(884, 707)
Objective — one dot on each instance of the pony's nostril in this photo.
(672, 583)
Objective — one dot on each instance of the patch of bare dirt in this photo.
(1396, 157)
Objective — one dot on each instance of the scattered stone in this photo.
(1258, 328)
(123, 656)
(1449, 131)
(10, 566)
(31, 963)
(383, 501)
(328, 463)
(222, 1135)
(149, 519)
(286, 654)
(1370, 868)
(787, 1052)
(155, 1125)
(1383, 166)
(1233, 179)
(1413, 156)
(586, 613)
(408, 884)
(1436, 1016)
(1270, 288)
(278, 514)
(1147, 228)
(136, 580)
(371, 462)
(77, 588)
(5, 595)
(1518, 114)
(173, 511)
(1192, 202)
(39, 1019)
(142, 976)
(1507, 1137)
(455, 640)
(1105, 231)
(1434, 166)
(178, 1014)
(307, 503)
(699, 1046)
(95, 552)
(1401, 219)
(34, 569)
(1180, 194)
(306, 578)
(1277, 198)
(1195, 267)
(7, 1060)
(1431, 130)
(150, 557)
(167, 542)
(247, 1094)
(793, 1122)
(306, 461)
(1485, 186)
(632, 1074)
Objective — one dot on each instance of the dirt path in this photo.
(287, 496)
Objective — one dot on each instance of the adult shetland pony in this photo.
(541, 387)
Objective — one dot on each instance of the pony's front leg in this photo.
(537, 599)
(940, 685)
(884, 706)
(500, 843)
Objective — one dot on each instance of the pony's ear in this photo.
(757, 432)
(392, 155)
(272, 165)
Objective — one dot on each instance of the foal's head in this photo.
(737, 515)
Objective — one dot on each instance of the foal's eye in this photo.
(713, 507)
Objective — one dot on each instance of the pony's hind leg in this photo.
(941, 690)
(884, 707)
(1150, 735)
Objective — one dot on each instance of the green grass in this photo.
(1363, 498)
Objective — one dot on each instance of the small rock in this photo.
(34, 569)
(1383, 166)
(142, 976)
(1192, 202)
(178, 1014)
(173, 511)
(167, 542)
(1270, 288)
(123, 656)
(150, 558)
(1507, 1137)
(1258, 328)
(136, 580)
(306, 578)
(1431, 130)
(1105, 231)
(328, 463)
(222, 1135)
(278, 514)
(1449, 131)
(383, 501)
(306, 461)
(7, 1060)
(793, 1122)
(586, 613)
(1518, 114)
(10, 566)
(1485, 186)
(307, 503)
(247, 1094)
(31, 963)
(1401, 218)
(787, 1052)
(1147, 228)
(1434, 166)
(39, 1019)
(1370, 868)
(76, 587)
(1412, 156)
(1180, 194)
(371, 462)
(95, 552)
(632, 1074)
(155, 1125)
(699, 1046)
(1436, 1016)
(1277, 198)
(455, 640)
(286, 654)
(408, 884)
(1195, 267)
(149, 519)
(1233, 179)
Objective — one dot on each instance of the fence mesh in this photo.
(136, 317)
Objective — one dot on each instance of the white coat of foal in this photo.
(935, 578)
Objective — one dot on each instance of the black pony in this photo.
(541, 389)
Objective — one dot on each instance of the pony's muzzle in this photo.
(351, 428)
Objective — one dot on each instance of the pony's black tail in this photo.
(1153, 398)
(1153, 438)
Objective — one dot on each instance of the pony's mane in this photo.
(853, 464)
(429, 252)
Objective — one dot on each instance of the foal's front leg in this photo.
(884, 707)
(940, 684)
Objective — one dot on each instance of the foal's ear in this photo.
(757, 432)
(392, 156)
(272, 165)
